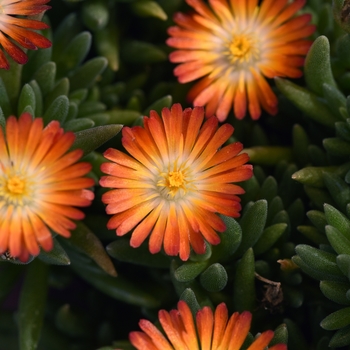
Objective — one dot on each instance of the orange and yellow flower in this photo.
(233, 46)
(176, 181)
(40, 185)
(215, 331)
(14, 29)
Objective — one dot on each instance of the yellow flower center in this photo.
(240, 46)
(176, 179)
(175, 182)
(16, 185)
(15, 189)
(243, 48)
(172, 182)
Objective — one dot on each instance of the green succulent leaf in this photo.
(343, 262)
(26, 98)
(45, 77)
(119, 288)
(341, 337)
(229, 240)
(127, 117)
(268, 155)
(36, 59)
(335, 99)
(313, 176)
(252, 224)
(319, 196)
(280, 336)
(338, 220)
(190, 298)
(148, 8)
(56, 256)
(275, 207)
(307, 102)
(318, 218)
(86, 75)
(80, 124)
(90, 107)
(72, 111)
(12, 81)
(318, 60)
(269, 237)
(214, 278)
(339, 242)
(90, 139)
(296, 340)
(164, 102)
(342, 130)
(95, 14)
(202, 257)
(190, 270)
(244, 287)
(336, 146)
(337, 319)
(335, 291)
(4, 99)
(74, 53)
(85, 241)
(322, 262)
(32, 305)
(60, 88)
(107, 44)
(58, 110)
(142, 52)
(313, 234)
(78, 95)
(38, 98)
(269, 189)
(122, 251)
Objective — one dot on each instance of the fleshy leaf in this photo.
(32, 305)
(85, 241)
(252, 224)
(244, 296)
(335, 291)
(57, 256)
(90, 139)
(318, 60)
(122, 251)
(214, 278)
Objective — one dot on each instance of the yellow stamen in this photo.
(240, 46)
(176, 179)
(243, 48)
(16, 185)
(172, 182)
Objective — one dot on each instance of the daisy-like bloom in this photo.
(40, 185)
(176, 181)
(233, 45)
(215, 331)
(14, 29)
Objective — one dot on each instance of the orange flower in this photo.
(17, 29)
(176, 181)
(40, 183)
(233, 45)
(214, 331)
